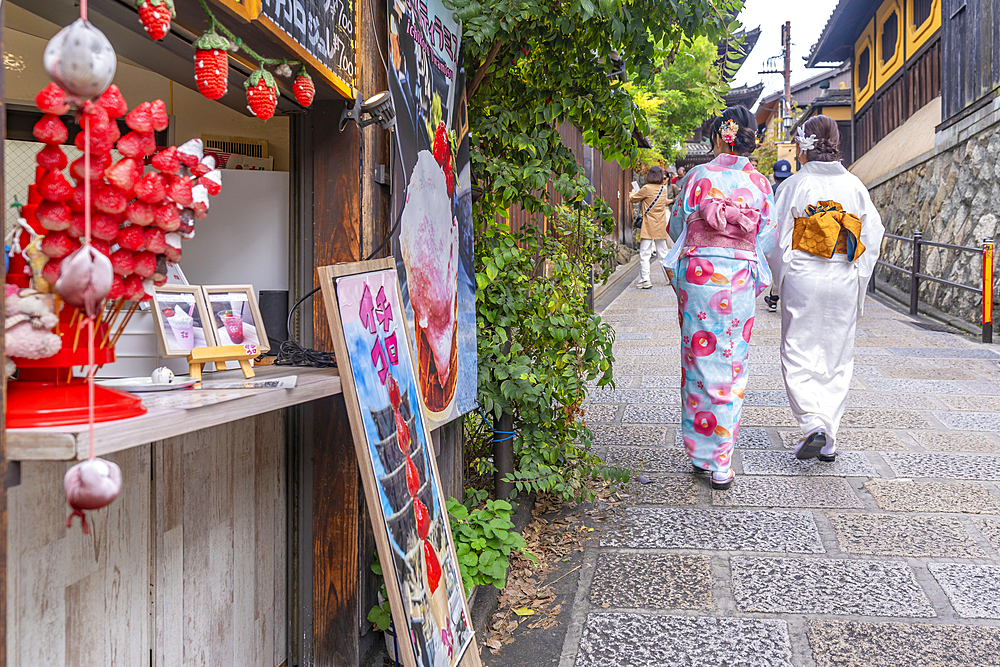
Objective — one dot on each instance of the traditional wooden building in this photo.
(894, 52)
(926, 126)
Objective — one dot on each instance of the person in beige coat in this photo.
(654, 200)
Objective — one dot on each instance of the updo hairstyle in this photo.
(746, 137)
(827, 146)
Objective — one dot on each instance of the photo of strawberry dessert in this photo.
(429, 246)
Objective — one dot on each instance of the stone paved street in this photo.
(887, 557)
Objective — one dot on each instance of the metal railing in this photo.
(985, 288)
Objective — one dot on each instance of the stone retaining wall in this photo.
(952, 195)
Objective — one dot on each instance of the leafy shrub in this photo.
(484, 540)
(540, 345)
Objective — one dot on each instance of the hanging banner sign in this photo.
(433, 240)
(398, 468)
(322, 32)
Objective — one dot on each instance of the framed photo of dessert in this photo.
(181, 314)
(399, 473)
(235, 316)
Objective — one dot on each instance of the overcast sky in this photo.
(808, 18)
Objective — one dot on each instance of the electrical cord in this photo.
(291, 353)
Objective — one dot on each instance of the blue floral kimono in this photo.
(723, 230)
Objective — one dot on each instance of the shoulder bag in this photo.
(637, 223)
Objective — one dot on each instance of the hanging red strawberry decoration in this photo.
(262, 94)
(211, 65)
(155, 16)
(304, 88)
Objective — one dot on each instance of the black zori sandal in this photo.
(810, 449)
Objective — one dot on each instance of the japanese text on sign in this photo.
(373, 313)
(325, 28)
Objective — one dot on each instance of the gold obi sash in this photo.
(826, 230)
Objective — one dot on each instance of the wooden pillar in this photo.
(375, 197)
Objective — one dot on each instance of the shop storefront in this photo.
(240, 535)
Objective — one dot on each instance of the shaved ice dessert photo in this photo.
(429, 245)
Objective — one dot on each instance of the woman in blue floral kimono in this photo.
(723, 229)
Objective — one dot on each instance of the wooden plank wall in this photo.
(971, 53)
(79, 599)
(606, 177)
(187, 565)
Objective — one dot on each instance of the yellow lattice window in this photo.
(864, 66)
(923, 20)
(888, 41)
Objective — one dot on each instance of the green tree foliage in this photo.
(678, 98)
(533, 64)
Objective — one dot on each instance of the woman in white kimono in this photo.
(829, 237)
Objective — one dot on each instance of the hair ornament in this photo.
(804, 142)
(728, 131)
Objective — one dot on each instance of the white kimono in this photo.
(821, 298)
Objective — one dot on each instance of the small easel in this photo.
(219, 355)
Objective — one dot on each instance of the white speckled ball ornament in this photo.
(80, 60)
(163, 375)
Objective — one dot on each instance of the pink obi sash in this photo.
(723, 223)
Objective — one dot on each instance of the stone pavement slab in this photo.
(884, 418)
(990, 528)
(652, 581)
(628, 434)
(639, 640)
(826, 586)
(819, 492)
(908, 536)
(653, 396)
(856, 644)
(649, 459)
(666, 490)
(954, 497)
(970, 421)
(659, 381)
(956, 441)
(972, 403)
(951, 466)
(714, 530)
(599, 412)
(973, 590)
(893, 385)
(945, 353)
(652, 414)
(921, 373)
(848, 464)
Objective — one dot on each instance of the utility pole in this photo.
(786, 72)
(786, 43)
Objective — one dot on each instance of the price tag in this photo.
(251, 350)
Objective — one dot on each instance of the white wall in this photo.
(244, 239)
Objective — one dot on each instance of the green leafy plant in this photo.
(380, 614)
(484, 540)
(540, 346)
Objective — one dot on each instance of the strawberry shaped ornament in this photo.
(155, 16)
(262, 94)
(304, 88)
(80, 60)
(211, 65)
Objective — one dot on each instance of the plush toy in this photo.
(28, 323)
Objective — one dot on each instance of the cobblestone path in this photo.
(888, 557)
